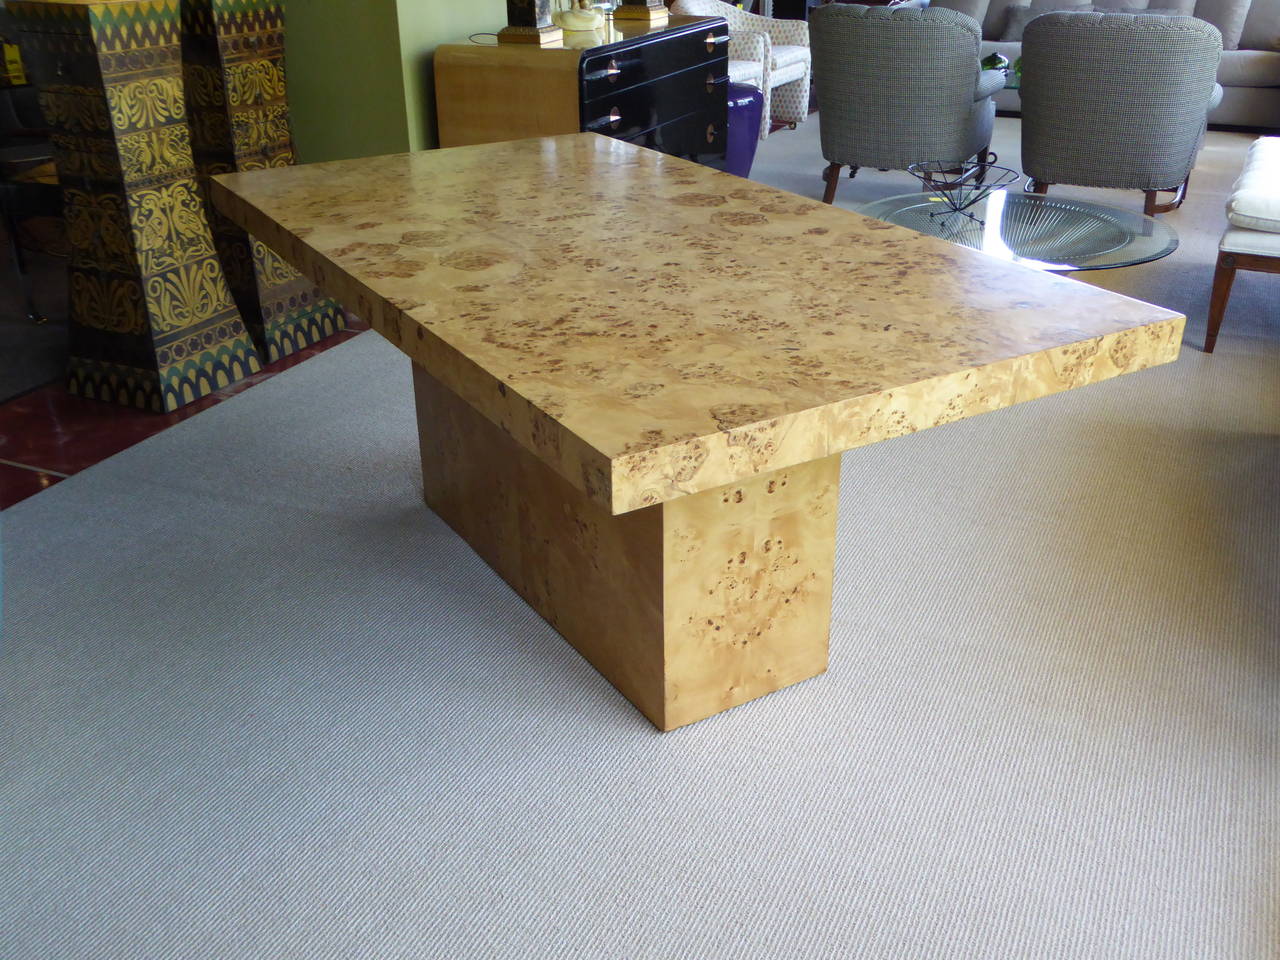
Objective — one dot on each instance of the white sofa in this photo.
(1250, 75)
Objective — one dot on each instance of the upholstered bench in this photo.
(1252, 239)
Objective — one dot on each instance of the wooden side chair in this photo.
(1252, 237)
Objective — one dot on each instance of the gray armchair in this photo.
(1117, 100)
(898, 86)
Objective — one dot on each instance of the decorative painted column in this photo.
(529, 21)
(153, 323)
(233, 61)
(650, 11)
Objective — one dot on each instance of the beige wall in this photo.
(359, 71)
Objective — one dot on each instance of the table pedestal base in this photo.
(688, 607)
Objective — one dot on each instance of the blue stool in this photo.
(746, 104)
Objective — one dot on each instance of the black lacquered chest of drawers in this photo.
(663, 87)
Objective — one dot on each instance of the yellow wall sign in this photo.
(11, 72)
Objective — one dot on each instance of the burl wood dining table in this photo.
(635, 377)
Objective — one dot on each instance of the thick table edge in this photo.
(621, 483)
(578, 462)
(691, 466)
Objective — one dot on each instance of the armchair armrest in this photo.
(793, 33)
(750, 45)
(989, 83)
(782, 32)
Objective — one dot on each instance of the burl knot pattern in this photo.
(650, 328)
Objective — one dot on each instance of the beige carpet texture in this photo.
(256, 701)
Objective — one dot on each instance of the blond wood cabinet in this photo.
(663, 87)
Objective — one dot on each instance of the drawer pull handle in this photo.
(711, 83)
(612, 119)
(711, 133)
(611, 71)
(711, 43)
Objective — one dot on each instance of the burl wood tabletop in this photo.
(651, 328)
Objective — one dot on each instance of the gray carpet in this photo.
(259, 703)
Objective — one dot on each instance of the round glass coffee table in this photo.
(1050, 233)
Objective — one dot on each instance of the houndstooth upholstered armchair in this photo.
(897, 86)
(772, 54)
(1117, 100)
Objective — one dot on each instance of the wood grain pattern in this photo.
(507, 92)
(639, 431)
(687, 608)
(747, 577)
(596, 578)
(589, 308)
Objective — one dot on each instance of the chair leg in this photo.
(20, 268)
(1223, 276)
(984, 156)
(1153, 206)
(832, 176)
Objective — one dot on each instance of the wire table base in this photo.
(1050, 233)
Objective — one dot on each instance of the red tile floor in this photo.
(46, 434)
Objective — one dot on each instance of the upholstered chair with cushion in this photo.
(1117, 100)
(899, 86)
(1252, 238)
(772, 54)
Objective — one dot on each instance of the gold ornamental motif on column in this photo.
(153, 322)
(233, 60)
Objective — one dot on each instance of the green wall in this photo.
(346, 85)
(424, 25)
(360, 70)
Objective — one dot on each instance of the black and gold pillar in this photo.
(153, 323)
(529, 21)
(233, 61)
(650, 11)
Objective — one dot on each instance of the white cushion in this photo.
(746, 71)
(1258, 242)
(1255, 198)
(787, 54)
(787, 74)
